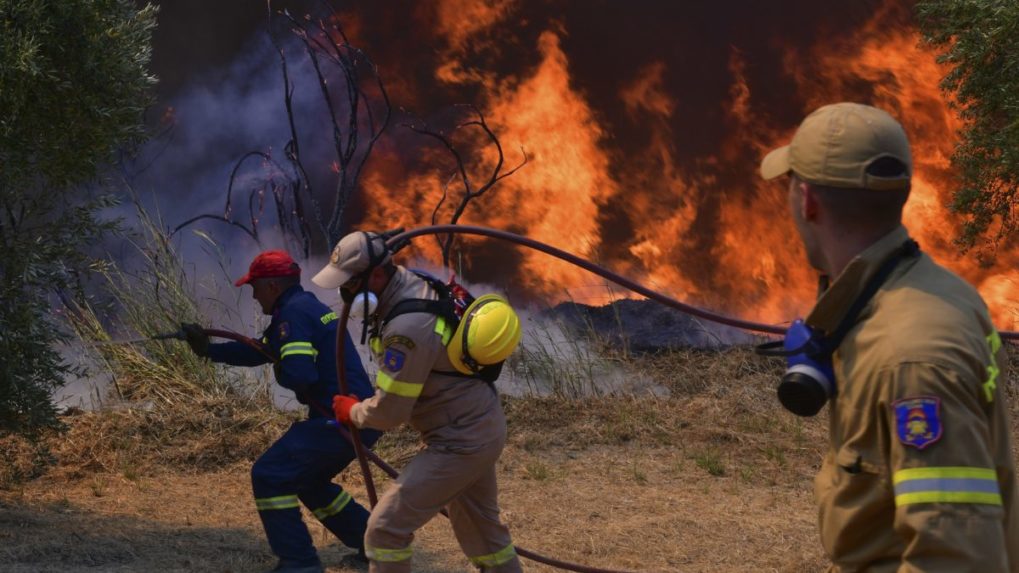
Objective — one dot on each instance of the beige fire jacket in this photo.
(410, 384)
(919, 475)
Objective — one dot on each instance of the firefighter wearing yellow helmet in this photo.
(437, 378)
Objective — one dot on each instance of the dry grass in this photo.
(205, 436)
(152, 298)
(713, 477)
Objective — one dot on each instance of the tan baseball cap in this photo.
(350, 258)
(836, 144)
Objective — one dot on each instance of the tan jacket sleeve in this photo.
(948, 499)
(405, 363)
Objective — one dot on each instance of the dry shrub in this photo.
(202, 435)
(21, 459)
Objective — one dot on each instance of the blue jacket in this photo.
(303, 334)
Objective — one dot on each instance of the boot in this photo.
(290, 567)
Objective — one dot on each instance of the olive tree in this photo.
(74, 85)
(979, 40)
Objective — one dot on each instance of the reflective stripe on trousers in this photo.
(277, 502)
(383, 555)
(504, 555)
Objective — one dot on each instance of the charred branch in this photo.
(355, 129)
(256, 202)
(357, 119)
(470, 192)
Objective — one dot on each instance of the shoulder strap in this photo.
(907, 250)
(442, 306)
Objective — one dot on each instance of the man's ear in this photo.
(810, 205)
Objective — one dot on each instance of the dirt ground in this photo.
(713, 478)
(689, 498)
(625, 508)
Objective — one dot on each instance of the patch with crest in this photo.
(918, 421)
(393, 359)
(284, 330)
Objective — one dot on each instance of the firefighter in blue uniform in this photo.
(301, 464)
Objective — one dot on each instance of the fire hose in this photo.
(351, 435)
(401, 240)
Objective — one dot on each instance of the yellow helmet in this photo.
(488, 333)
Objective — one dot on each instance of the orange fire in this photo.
(694, 233)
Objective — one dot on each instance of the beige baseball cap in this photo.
(350, 258)
(837, 144)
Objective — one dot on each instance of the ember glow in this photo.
(705, 229)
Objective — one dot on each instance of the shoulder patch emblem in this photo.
(399, 339)
(393, 360)
(918, 421)
(284, 330)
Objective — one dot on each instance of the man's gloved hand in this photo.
(196, 338)
(342, 406)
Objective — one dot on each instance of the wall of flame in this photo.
(697, 224)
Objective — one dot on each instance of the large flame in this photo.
(706, 229)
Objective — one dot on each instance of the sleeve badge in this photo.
(393, 359)
(918, 421)
(284, 330)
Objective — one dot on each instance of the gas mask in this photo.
(363, 305)
(809, 381)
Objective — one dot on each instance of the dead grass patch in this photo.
(208, 434)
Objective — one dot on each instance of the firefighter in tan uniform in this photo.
(460, 418)
(920, 474)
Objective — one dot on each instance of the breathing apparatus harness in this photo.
(809, 379)
(452, 306)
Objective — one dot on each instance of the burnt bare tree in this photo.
(470, 189)
(358, 110)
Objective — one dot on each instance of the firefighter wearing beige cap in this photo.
(458, 415)
(919, 474)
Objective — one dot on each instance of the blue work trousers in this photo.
(300, 466)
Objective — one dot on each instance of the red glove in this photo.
(342, 406)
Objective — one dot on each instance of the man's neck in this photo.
(841, 247)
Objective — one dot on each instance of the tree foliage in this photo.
(74, 84)
(979, 40)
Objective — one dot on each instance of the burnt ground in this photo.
(644, 326)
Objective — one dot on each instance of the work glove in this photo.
(196, 338)
(342, 406)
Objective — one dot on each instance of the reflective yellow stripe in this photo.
(376, 344)
(945, 472)
(303, 348)
(328, 317)
(443, 330)
(334, 507)
(504, 555)
(393, 386)
(387, 555)
(991, 384)
(946, 485)
(947, 497)
(278, 502)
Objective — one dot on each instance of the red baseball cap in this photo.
(270, 264)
